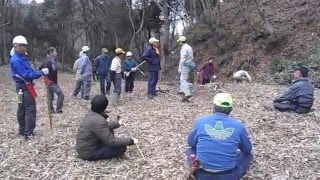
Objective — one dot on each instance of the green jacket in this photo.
(95, 130)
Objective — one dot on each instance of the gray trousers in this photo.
(26, 114)
(55, 89)
(291, 107)
(77, 88)
(117, 83)
(184, 84)
(86, 86)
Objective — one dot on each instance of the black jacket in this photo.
(51, 63)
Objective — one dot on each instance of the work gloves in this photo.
(45, 71)
(135, 141)
(133, 69)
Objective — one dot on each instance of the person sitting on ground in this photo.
(206, 72)
(95, 137)
(241, 76)
(299, 96)
(220, 143)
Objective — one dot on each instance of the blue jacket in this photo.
(129, 64)
(20, 65)
(102, 63)
(300, 92)
(85, 66)
(216, 139)
(152, 58)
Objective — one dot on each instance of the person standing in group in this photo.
(152, 56)
(85, 72)
(129, 67)
(206, 72)
(102, 64)
(50, 62)
(94, 71)
(23, 75)
(116, 74)
(79, 83)
(186, 66)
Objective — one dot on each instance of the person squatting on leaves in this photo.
(299, 96)
(85, 71)
(220, 144)
(102, 64)
(95, 137)
(50, 62)
(206, 72)
(152, 56)
(186, 66)
(130, 72)
(23, 75)
(241, 76)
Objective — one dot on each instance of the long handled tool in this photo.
(48, 99)
(118, 118)
(127, 73)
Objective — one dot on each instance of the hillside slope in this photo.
(241, 41)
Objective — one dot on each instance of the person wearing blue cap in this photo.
(220, 144)
(299, 96)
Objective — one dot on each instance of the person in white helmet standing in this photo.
(23, 75)
(186, 66)
(85, 72)
(130, 67)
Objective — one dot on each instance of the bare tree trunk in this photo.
(165, 49)
(219, 13)
(263, 17)
(116, 39)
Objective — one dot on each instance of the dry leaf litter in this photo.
(286, 145)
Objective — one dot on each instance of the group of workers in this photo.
(220, 147)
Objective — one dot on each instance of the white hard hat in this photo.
(104, 50)
(129, 53)
(182, 39)
(19, 40)
(85, 49)
(152, 40)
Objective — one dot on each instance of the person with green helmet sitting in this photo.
(219, 144)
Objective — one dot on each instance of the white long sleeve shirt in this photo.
(186, 56)
(116, 65)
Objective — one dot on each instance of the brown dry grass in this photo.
(286, 145)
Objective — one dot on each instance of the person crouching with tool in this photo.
(220, 145)
(95, 137)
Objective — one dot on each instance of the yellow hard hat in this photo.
(119, 51)
(223, 100)
(182, 39)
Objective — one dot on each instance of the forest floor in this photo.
(285, 145)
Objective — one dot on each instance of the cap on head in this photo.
(129, 53)
(119, 51)
(85, 49)
(223, 100)
(303, 70)
(182, 39)
(99, 103)
(19, 40)
(104, 50)
(153, 40)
